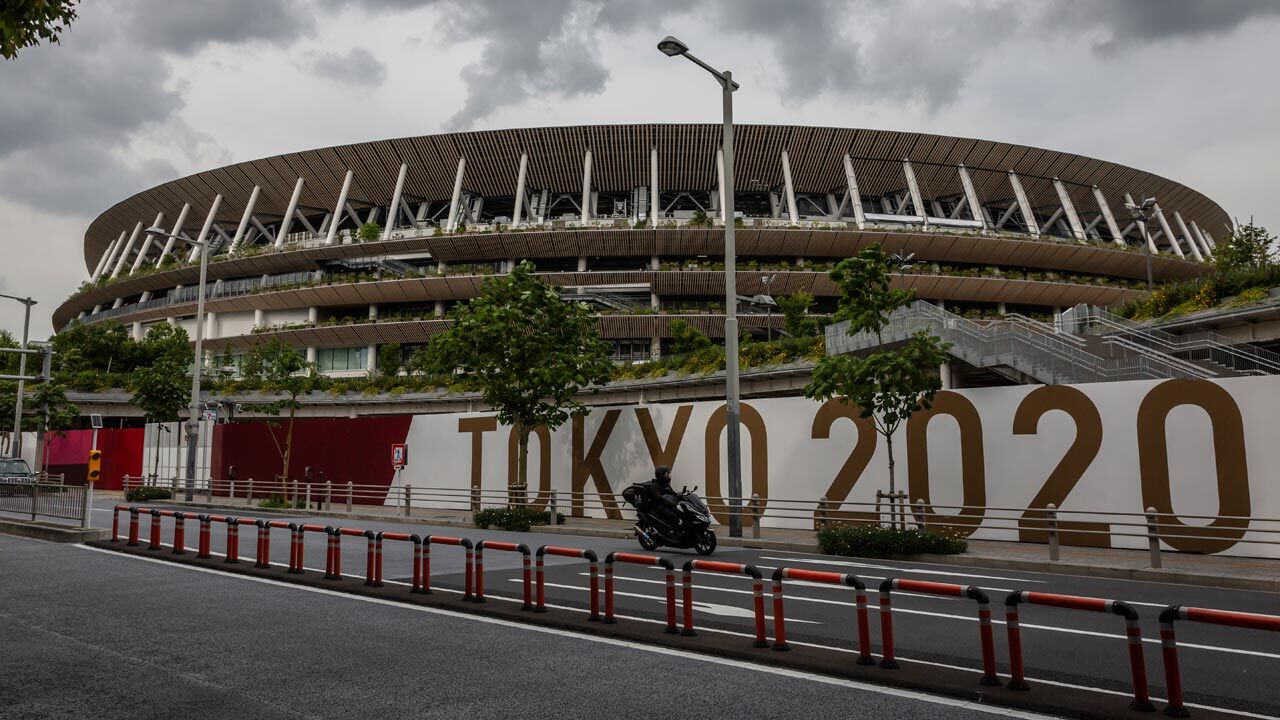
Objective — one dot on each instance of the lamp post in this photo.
(1140, 213)
(765, 282)
(193, 420)
(672, 47)
(15, 444)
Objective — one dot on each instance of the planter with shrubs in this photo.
(517, 519)
(874, 541)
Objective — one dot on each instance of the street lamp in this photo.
(15, 444)
(765, 282)
(193, 421)
(1139, 213)
(672, 47)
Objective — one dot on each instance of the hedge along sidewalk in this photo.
(1180, 568)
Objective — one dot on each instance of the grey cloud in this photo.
(186, 27)
(1138, 22)
(78, 177)
(357, 66)
(810, 47)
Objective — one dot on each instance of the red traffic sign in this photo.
(399, 455)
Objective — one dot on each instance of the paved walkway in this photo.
(1179, 568)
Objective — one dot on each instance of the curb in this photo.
(51, 532)
(1173, 577)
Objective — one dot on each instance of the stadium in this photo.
(343, 249)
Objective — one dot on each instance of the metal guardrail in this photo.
(1048, 525)
(45, 499)
(1047, 357)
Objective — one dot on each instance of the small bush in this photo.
(143, 494)
(517, 519)
(873, 541)
(277, 502)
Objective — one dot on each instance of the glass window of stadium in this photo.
(338, 359)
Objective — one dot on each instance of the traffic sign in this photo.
(399, 455)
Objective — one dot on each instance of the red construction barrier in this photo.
(468, 561)
(1169, 644)
(757, 588)
(1141, 700)
(115, 521)
(588, 555)
(506, 547)
(888, 660)
(637, 559)
(133, 526)
(180, 532)
(298, 550)
(333, 563)
(202, 547)
(233, 537)
(831, 578)
(155, 529)
(264, 540)
(417, 557)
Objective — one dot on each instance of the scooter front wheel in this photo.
(706, 542)
(646, 541)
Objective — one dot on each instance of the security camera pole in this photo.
(672, 47)
(1139, 213)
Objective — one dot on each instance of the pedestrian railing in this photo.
(43, 499)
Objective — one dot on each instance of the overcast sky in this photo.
(143, 91)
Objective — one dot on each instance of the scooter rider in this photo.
(662, 498)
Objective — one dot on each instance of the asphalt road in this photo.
(1224, 668)
(88, 633)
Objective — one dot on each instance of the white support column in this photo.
(653, 188)
(1186, 234)
(394, 211)
(1208, 251)
(917, 201)
(1110, 219)
(586, 186)
(439, 308)
(518, 215)
(210, 325)
(137, 332)
(789, 188)
(259, 317)
(373, 311)
(971, 195)
(109, 255)
(311, 355)
(1024, 205)
(371, 358)
(244, 220)
(338, 208)
(287, 220)
(1168, 231)
(1068, 207)
(855, 198)
(1209, 236)
(177, 230)
(720, 182)
(146, 244)
(128, 246)
(457, 195)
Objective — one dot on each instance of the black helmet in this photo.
(662, 474)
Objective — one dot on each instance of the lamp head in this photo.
(671, 46)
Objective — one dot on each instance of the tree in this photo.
(24, 23)
(687, 339)
(9, 361)
(887, 387)
(281, 369)
(390, 359)
(526, 351)
(369, 232)
(1250, 247)
(161, 386)
(101, 347)
(795, 315)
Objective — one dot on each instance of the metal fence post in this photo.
(293, 494)
(210, 491)
(248, 497)
(35, 496)
(917, 514)
(348, 497)
(1051, 519)
(306, 496)
(475, 499)
(756, 514)
(1153, 538)
(173, 481)
(822, 512)
(231, 489)
(552, 509)
(328, 494)
(408, 492)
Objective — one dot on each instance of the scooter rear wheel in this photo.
(647, 542)
(706, 542)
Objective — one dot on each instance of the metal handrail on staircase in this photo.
(1045, 357)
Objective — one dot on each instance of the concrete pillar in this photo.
(137, 332)
(1069, 208)
(653, 262)
(371, 358)
(582, 264)
(146, 244)
(654, 197)
(244, 219)
(339, 208)
(394, 212)
(287, 220)
(439, 308)
(1208, 251)
(313, 315)
(1024, 205)
(110, 257)
(944, 373)
(454, 202)
(1186, 234)
(586, 186)
(655, 348)
(177, 230)
(971, 195)
(210, 325)
(259, 318)
(1168, 231)
(855, 198)
(518, 215)
(102, 260)
(1110, 219)
(1000, 308)
(311, 355)
(441, 267)
(128, 246)
(373, 311)
(117, 303)
(789, 188)
(654, 301)
(917, 200)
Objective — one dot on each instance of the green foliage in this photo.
(865, 296)
(9, 361)
(795, 312)
(873, 541)
(389, 359)
(101, 346)
(146, 494)
(687, 339)
(1250, 247)
(369, 232)
(516, 519)
(25, 23)
(1174, 299)
(526, 352)
(278, 368)
(278, 502)
(699, 219)
(161, 384)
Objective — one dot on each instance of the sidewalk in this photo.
(1237, 573)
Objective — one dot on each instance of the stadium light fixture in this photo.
(1140, 212)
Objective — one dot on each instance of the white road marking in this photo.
(918, 571)
(700, 606)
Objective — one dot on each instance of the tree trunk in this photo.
(522, 468)
(288, 442)
(893, 499)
